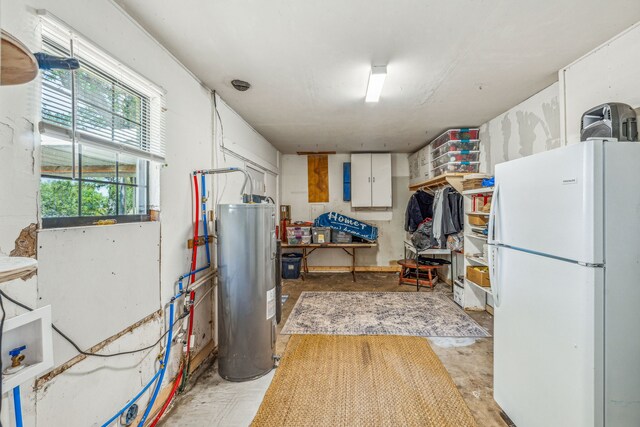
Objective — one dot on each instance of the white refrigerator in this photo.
(564, 259)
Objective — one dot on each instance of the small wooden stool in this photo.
(410, 264)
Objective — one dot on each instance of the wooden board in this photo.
(318, 178)
(17, 63)
(452, 179)
(358, 269)
(332, 245)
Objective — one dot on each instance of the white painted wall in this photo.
(609, 73)
(528, 128)
(237, 144)
(189, 129)
(88, 301)
(551, 117)
(390, 222)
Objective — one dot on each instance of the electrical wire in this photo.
(224, 155)
(78, 349)
(215, 108)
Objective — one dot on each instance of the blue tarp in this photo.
(341, 222)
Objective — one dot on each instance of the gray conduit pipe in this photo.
(247, 178)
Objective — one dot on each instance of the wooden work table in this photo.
(309, 248)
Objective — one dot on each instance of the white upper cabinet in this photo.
(361, 180)
(381, 180)
(371, 180)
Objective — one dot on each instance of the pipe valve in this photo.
(16, 360)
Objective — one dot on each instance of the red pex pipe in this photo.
(192, 295)
(194, 256)
(176, 383)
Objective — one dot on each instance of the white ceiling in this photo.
(450, 62)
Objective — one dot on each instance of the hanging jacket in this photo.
(437, 238)
(448, 226)
(457, 215)
(419, 208)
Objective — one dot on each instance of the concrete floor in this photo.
(215, 402)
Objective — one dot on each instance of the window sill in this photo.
(91, 221)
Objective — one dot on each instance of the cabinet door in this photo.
(360, 180)
(381, 180)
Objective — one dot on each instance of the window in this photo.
(101, 131)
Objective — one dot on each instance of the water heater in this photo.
(246, 290)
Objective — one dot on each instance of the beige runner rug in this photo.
(374, 380)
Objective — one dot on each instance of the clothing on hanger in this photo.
(419, 208)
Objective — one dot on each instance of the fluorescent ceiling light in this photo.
(376, 81)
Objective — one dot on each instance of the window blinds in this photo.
(104, 103)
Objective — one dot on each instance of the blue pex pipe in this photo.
(132, 401)
(160, 374)
(17, 406)
(204, 218)
(162, 370)
(191, 273)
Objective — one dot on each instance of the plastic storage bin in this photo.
(321, 235)
(462, 134)
(457, 167)
(456, 145)
(414, 168)
(457, 156)
(291, 265)
(298, 235)
(341, 237)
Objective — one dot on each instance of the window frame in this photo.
(77, 145)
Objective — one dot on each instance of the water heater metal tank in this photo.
(246, 290)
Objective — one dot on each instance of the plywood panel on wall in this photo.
(318, 178)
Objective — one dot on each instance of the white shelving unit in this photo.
(476, 297)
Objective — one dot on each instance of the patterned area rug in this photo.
(380, 313)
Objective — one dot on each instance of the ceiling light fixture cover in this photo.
(376, 81)
(240, 85)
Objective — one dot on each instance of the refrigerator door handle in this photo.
(492, 216)
(493, 277)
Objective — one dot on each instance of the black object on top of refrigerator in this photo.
(611, 120)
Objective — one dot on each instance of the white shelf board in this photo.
(475, 236)
(485, 289)
(478, 260)
(411, 248)
(15, 267)
(484, 190)
(478, 213)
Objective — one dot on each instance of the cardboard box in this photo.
(481, 203)
(480, 220)
(478, 275)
